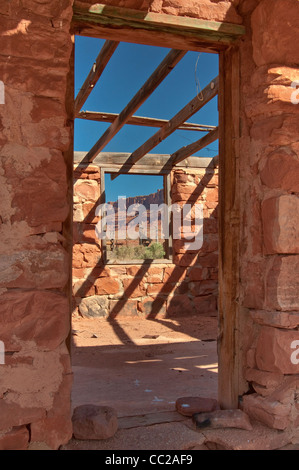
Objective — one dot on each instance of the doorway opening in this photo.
(145, 327)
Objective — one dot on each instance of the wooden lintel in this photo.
(87, 15)
(94, 74)
(150, 162)
(188, 150)
(165, 67)
(141, 121)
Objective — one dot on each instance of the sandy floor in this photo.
(143, 366)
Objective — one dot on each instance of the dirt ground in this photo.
(143, 366)
(140, 368)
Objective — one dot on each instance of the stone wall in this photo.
(186, 286)
(269, 195)
(36, 149)
(35, 382)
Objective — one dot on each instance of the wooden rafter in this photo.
(94, 74)
(169, 62)
(142, 121)
(209, 92)
(188, 150)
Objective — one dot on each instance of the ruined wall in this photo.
(35, 382)
(269, 196)
(188, 286)
(35, 138)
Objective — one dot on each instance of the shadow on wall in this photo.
(188, 288)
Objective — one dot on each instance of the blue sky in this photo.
(127, 70)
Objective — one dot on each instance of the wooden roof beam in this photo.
(165, 67)
(209, 92)
(190, 149)
(94, 74)
(142, 121)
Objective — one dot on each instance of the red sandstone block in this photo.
(186, 188)
(152, 307)
(280, 224)
(288, 320)
(222, 419)
(89, 233)
(268, 48)
(181, 178)
(133, 288)
(210, 243)
(187, 198)
(155, 270)
(266, 379)
(106, 286)
(281, 170)
(251, 275)
(210, 225)
(14, 415)
(83, 288)
(33, 316)
(184, 246)
(186, 259)
(138, 271)
(209, 260)
(86, 255)
(174, 274)
(272, 413)
(282, 283)
(162, 288)
(275, 351)
(123, 309)
(45, 190)
(187, 406)
(205, 304)
(213, 182)
(196, 274)
(87, 190)
(88, 209)
(179, 306)
(211, 194)
(44, 266)
(16, 439)
(116, 271)
(203, 287)
(55, 428)
(154, 279)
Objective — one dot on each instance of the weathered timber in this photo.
(209, 92)
(122, 20)
(94, 74)
(142, 121)
(188, 150)
(169, 62)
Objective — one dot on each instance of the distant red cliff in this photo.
(146, 201)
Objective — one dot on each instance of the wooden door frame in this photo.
(121, 24)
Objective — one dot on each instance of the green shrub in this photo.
(154, 251)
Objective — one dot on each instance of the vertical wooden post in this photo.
(69, 160)
(229, 224)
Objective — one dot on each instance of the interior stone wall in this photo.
(269, 197)
(36, 379)
(36, 47)
(188, 285)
